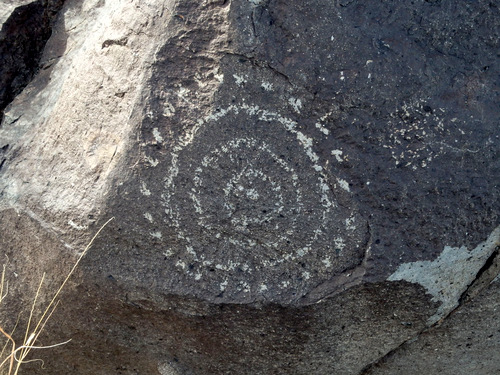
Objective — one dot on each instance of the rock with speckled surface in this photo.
(297, 187)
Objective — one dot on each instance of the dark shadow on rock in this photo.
(142, 329)
(22, 40)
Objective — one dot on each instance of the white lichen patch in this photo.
(165, 368)
(447, 277)
(168, 253)
(148, 217)
(228, 267)
(190, 250)
(325, 189)
(181, 264)
(219, 77)
(183, 92)
(223, 285)
(305, 140)
(253, 194)
(196, 203)
(244, 287)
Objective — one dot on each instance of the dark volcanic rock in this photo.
(298, 187)
(244, 210)
(462, 345)
(410, 95)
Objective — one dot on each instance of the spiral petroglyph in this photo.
(244, 192)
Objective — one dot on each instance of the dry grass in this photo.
(12, 354)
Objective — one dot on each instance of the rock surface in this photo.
(298, 187)
(464, 344)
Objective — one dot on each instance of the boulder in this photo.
(297, 187)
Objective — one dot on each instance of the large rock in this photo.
(298, 187)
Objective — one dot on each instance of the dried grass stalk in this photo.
(13, 356)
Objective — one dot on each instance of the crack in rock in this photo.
(448, 277)
(487, 274)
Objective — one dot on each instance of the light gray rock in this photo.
(449, 276)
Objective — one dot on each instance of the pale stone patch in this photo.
(447, 277)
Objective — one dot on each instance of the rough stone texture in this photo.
(454, 274)
(298, 187)
(464, 344)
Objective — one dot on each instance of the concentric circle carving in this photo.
(252, 209)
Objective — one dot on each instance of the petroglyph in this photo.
(414, 144)
(245, 191)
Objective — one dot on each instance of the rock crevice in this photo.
(25, 29)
